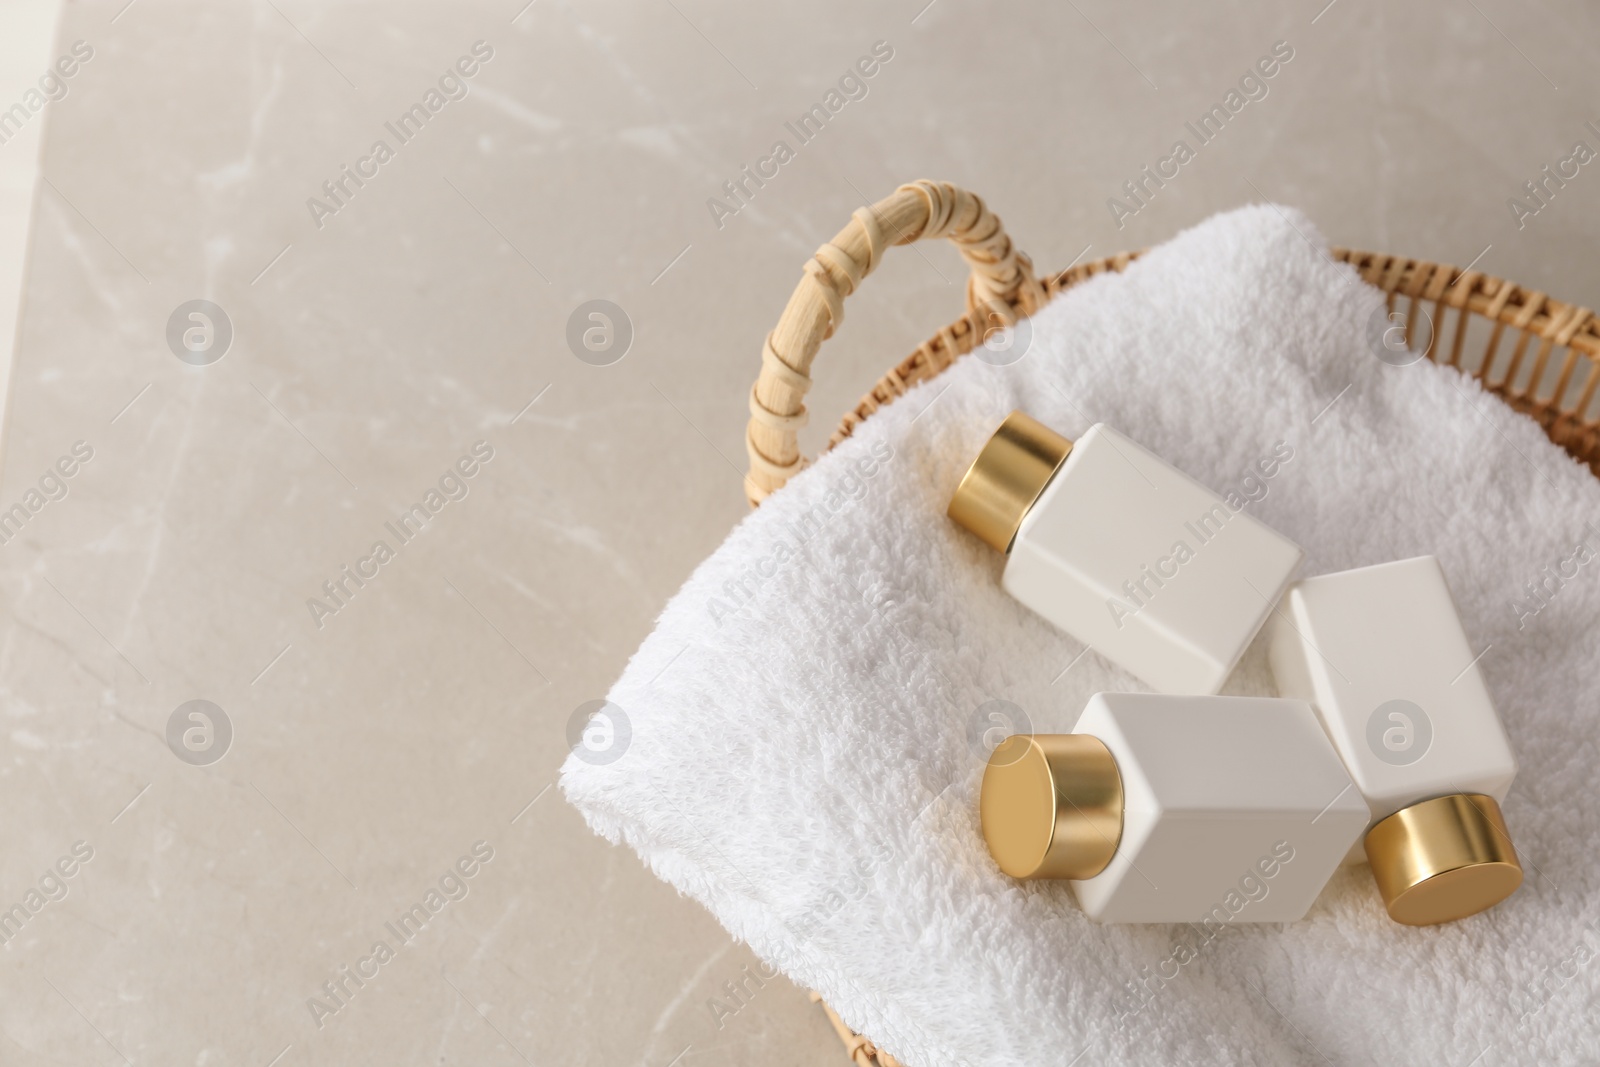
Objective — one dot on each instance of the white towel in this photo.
(806, 721)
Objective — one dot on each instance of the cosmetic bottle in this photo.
(1381, 656)
(1125, 553)
(1176, 809)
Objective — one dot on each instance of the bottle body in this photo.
(1235, 809)
(1381, 655)
(1232, 809)
(1147, 566)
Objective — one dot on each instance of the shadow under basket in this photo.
(1460, 316)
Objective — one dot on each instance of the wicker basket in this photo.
(1557, 387)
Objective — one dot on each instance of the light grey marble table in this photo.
(380, 338)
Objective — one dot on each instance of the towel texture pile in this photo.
(810, 719)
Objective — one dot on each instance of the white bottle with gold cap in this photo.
(1381, 654)
(1124, 552)
(1210, 809)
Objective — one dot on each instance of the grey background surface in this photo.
(371, 352)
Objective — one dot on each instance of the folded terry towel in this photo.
(808, 720)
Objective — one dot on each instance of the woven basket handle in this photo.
(1002, 278)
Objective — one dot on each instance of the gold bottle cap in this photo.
(1006, 478)
(1443, 859)
(1051, 805)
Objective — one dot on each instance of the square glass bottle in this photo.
(1381, 655)
(1176, 809)
(1124, 552)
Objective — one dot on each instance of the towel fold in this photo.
(806, 728)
